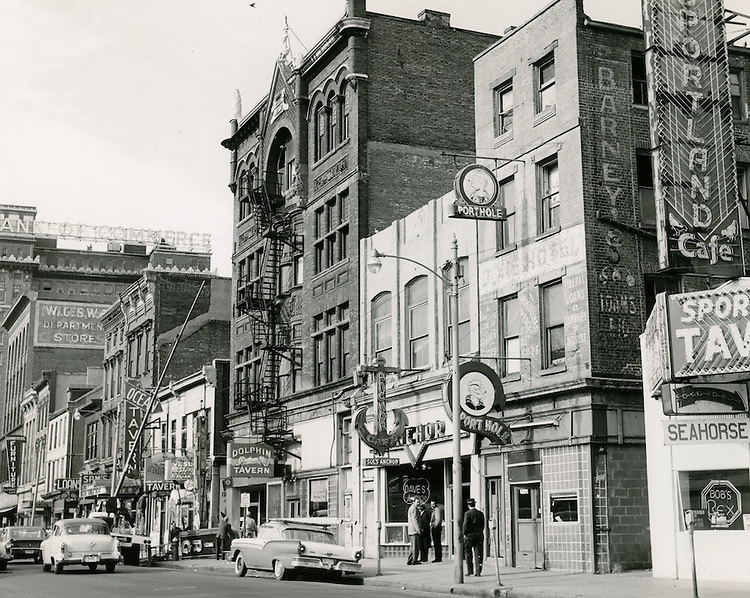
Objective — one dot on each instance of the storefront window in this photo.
(319, 498)
(563, 507)
(719, 499)
(405, 482)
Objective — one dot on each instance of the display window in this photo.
(405, 483)
(718, 498)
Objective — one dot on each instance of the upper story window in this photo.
(503, 102)
(331, 232)
(743, 192)
(320, 131)
(544, 72)
(92, 441)
(506, 229)
(549, 201)
(346, 433)
(510, 337)
(281, 170)
(344, 107)
(638, 77)
(464, 315)
(331, 344)
(382, 337)
(736, 93)
(645, 175)
(333, 115)
(417, 323)
(553, 324)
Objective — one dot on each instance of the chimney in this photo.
(355, 8)
(435, 18)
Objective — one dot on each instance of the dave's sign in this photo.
(248, 460)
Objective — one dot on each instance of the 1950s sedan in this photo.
(22, 542)
(84, 542)
(288, 547)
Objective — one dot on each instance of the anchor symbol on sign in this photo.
(381, 440)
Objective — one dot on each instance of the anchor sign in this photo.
(381, 440)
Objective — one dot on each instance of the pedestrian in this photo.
(473, 530)
(174, 540)
(424, 533)
(223, 536)
(250, 528)
(412, 519)
(436, 529)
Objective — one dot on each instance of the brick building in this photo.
(348, 138)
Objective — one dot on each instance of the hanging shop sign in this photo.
(704, 333)
(477, 194)
(698, 224)
(480, 394)
(380, 461)
(691, 399)
(250, 460)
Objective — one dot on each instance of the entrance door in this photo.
(369, 524)
(495, 540)
(528, 548)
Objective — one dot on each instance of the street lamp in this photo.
(373, 265)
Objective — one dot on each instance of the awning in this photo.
(8, 503)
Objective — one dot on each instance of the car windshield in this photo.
(27, 533)
(86, 528)
(309, 535)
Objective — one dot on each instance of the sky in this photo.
(112, 111)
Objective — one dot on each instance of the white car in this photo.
(288, 547)
(84, 542)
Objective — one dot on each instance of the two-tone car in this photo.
(21, 542)
(288, 547)
(84, 541)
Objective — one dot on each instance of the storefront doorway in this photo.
(526, 524)
(495, 537)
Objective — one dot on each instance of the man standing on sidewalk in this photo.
(436, 529)
(412, 528)
(473, 530)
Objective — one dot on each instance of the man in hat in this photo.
(223, 536)
(412, 519)
(473, 530)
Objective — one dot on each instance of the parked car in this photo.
(22, 542)
(84, 542)
(5, 554)
(288, 547)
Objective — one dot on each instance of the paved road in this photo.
(27, 580)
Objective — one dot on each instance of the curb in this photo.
(457, 590)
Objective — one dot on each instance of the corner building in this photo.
(567, 282)
(347, 139)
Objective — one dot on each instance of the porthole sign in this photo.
(477, 194)
(722, 503)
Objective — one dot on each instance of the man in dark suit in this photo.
(424, 533)
(473, 530)
(436, 529)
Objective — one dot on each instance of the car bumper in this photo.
(26, 553)
(325, 565)
(89, 558)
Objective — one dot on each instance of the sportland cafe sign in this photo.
(698, 338)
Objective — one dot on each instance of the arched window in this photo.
(343, 106)
(417, 323)
(320, 131)
(280, 168)
(333, 121)
(382, 341)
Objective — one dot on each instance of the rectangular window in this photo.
(184, 434)
(346, 440)
(173, 436)
(318, 503)
(92, 439)
(417, 323)
(503, 102)
(638, 78)
(743, 192)
(645, 176)
(331, 344)
(736, 93)
(720, 498)
(510, 337)
(293, 507)
(553, 323)
(382, 334)
(550, 196)
(544, 71)
(506, 229)
(331, 232)
(464, 314)
(563, 507)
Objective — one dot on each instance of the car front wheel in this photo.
(239, 566)
(279, 570)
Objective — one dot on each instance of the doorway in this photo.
(496, 536)
(528, 546)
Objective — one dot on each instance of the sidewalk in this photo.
(516, 583)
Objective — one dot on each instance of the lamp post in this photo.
(373, 265)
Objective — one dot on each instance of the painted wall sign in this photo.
(706, 431)
(250, 460)
(71, 324)
(481, 392)
(691, 125)
(709, 331)
(477, 193)
(330, 175)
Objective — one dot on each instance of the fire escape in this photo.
(259, 296)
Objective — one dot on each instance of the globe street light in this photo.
(373, 265)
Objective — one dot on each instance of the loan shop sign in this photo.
(691, 125)
(709, 331)
(69, 324)
(250, 460)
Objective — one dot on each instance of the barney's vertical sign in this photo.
(691, 128)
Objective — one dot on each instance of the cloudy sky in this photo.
(112, 111)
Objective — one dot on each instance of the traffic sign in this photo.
(380, 461)
(722, 503)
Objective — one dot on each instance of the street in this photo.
(27, 580)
